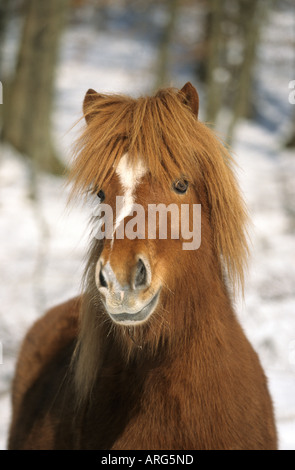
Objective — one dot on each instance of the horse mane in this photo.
(163, 131)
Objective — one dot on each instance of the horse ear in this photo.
(89, 99)
(191, 97)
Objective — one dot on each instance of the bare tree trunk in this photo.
(3, 21)
(291, 140)
(29, 102)
(215, 37)
(252, 11)
(3, 18)
(162, 74)
(233, 32)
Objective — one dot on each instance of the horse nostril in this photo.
(140, 278)
(102, 279)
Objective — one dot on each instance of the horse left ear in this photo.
(191, 97)
(89, 99)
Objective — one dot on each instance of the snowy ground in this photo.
(43, 243)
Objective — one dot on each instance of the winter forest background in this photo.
(240, 55)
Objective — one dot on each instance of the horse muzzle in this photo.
(131, 302)
(132, 318)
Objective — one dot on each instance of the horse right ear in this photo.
(190, 97)
(89, 100)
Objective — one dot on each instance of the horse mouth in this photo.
(137, 317)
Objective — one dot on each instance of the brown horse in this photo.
(151, 355)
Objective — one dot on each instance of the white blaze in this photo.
(129, 176)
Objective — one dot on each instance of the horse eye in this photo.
(180, 186)
(101, 195)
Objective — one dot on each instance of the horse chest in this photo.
(138, 410)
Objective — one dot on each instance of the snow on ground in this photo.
(43, 244)
(268, 311)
